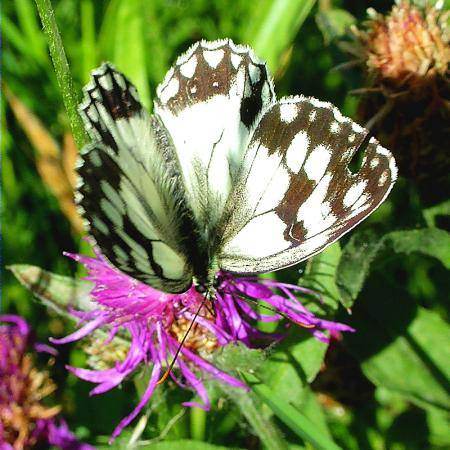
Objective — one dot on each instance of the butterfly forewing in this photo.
(296, 193)
(210, 102)
(130, 189)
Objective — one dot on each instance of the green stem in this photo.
(198, 424)
(62, 70)
(263, 427)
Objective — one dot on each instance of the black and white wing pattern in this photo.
(296, 194)
(210, 101)
(130, 191)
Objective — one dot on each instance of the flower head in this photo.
(157, 323)
(408, 47)
(24, 419)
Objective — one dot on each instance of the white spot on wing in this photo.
(317, 162)
(188, 68)
(235, 60)
(296, 153)
(374, 163)
(170, 90)
(213, 57)
(254, 72)
(275, 190)
(354, 193)
(357, 128)
(262, 236)
(311, 211)
(335, 127)
(288, 112)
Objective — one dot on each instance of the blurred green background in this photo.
(385, 387)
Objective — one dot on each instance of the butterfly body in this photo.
(222, 176)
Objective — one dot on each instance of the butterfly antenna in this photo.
(180, 346)
(260, 305)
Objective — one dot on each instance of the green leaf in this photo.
(434, 212)
(57, 292)
(291, 416)
(129, 49)
(238, 359)
(293, 364)
(364, 247)
(354, 265)
(334, 23)
(429, 241)
(273, 27)
(234, 358)
(413, 365)
(320, 274)
(262, 426)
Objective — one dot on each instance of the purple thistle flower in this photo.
(24, 420)
(157, 322)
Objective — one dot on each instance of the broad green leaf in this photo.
(363, 248)
(234, 358)
(129, 49)
(320, 274)
(414, 365)
(293, 364)
(291, 416)
(429, 241)
(354, 265)
(437, 421)
(57, 292)
(312, 409)
(273, 27)
(401, 347)
(334, 23)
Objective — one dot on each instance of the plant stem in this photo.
(62, 70)
(263, 427)
(198, 424)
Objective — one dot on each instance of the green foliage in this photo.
(354, 266)
(389, 383)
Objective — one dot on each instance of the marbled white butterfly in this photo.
(222, 175)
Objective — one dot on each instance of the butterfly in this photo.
(222, 175)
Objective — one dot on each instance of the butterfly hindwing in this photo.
(130, 190)
(210, 102)
(296, 193)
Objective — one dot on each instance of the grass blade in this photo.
(31, 30)
(129, 49)
(61, 67)
(88, 45)
(274, 26)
